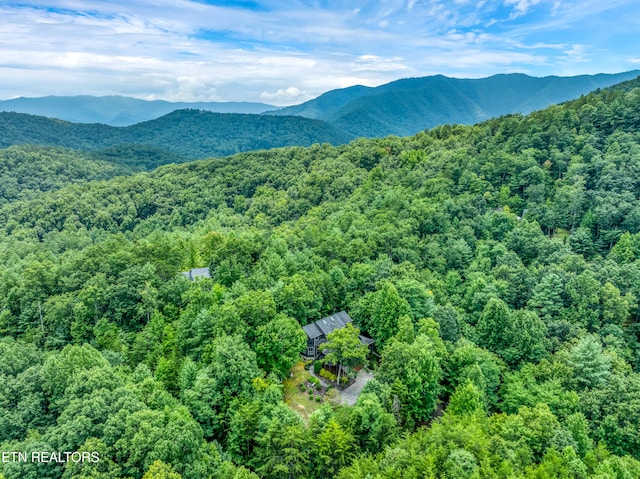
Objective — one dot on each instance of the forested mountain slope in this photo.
(497, 267)
(117, 110)
(405, 107)
(26, 171)
(182, 134)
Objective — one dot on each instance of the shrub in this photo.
(302, 387)
(317, 366)
(318, 399)
(327, 374)
(332, 396)
(314, 380)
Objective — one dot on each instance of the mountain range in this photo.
(401, 108)
(117, 110)
(405, 107)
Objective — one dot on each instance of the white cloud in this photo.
(576, 53)
(469, 60)
(520, 7)
(556, 8)
(285, 96)
(195, 88)
(188, 50)
(374, 63)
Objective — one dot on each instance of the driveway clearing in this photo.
(350, 395)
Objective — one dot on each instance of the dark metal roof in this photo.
(366, 341)
(194, 273)
(326, 325)
(312, 330)
(333, 322)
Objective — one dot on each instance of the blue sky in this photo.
(286, 52)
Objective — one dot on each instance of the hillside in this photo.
(496, 267)
(407, 106)
(117, 110)
(179, 136)
(199, 134)
(27, 171)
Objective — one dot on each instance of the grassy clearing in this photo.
(562, 234)
(296, 399)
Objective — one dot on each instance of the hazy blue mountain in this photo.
(117, 110)
(176, 137)
(404, 107)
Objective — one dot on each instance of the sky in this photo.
(285, 52)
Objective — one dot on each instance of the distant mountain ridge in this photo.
(179, 136)
(406, 106)
(117, 110)
(402, 107)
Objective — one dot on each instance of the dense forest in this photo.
(496, 266)
(179, 136)
(26, 171)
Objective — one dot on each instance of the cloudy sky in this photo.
(288, 51)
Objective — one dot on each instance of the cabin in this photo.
(317, 333)
(196, 273)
